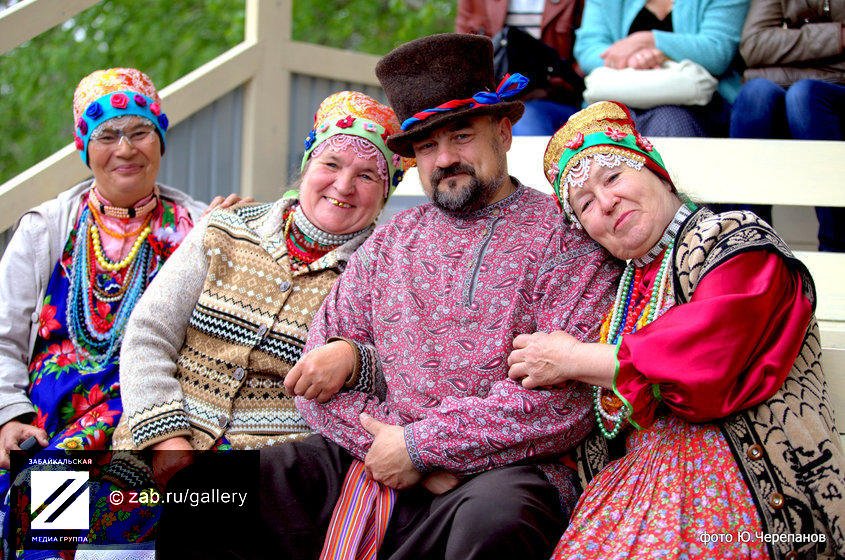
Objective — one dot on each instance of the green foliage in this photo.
(371, 26)
(166, 40)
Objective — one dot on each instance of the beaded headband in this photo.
(605, 132)
(115, 92)
(363, 149)
(355, 114)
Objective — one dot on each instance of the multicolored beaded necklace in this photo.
(307, 243)
(92, 335)
(631, 311)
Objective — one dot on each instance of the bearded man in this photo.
(425, 316)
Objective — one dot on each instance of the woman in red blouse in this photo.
(707, 364)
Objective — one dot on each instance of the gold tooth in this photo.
(339, 203)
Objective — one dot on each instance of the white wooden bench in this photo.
(781, 172)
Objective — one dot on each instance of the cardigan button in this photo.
(239, 373)
(791, 555)
(755, 452)
(262, 330)
(284, 286)
(776, 500)
(223, 421)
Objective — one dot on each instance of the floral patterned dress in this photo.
(77, 397)
(678, 491)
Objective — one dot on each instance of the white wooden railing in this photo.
(263, 63)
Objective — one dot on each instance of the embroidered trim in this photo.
(669, 235)
(416, 458)
(361, 147)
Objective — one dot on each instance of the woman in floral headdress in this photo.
(708, 368)
(78, 264)
(209, 346)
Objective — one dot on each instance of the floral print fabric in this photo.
(677, 493)
(77, 401)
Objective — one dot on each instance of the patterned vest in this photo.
(787, 448)
(247, 330)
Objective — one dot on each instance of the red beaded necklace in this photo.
(302, 251)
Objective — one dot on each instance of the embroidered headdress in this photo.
(603, 133)
(438, 79)
(111, 93)
(349, 119)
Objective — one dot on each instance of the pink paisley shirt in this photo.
(439, 298)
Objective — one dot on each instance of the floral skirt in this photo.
(677, 493)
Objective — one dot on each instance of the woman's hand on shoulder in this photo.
(539, 359)
(12, 433)
(321, 373)
(221, 202)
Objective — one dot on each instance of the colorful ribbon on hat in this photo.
(510, 86)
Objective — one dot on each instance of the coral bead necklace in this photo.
(303, 249)
(95, 332)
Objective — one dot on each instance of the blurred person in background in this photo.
(552, 22)
(795, 85)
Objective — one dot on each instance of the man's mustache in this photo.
(445, 172)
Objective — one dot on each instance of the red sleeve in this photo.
(729, 348)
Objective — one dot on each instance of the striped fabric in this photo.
(360, 517)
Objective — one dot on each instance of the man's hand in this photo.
(12, 434)
(388, 461)
(440, 482)
(321, 373)
(170, 460)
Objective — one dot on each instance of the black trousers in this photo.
(510, 512)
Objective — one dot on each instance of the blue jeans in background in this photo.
(807, 110)
(542, 118)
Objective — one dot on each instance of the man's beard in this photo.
(474, 196)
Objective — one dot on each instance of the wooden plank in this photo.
(210, 82)
(809, 173)
(784, 172)
(40, 182)
(30, 18)
(833, 363)
(266, 100)
(826, 269)
(331, 63)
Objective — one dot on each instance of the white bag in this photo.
(674, 83)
